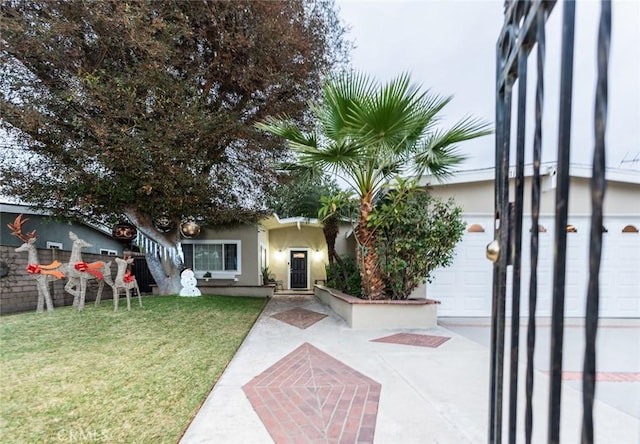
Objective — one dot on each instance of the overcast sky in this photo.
(449, 47)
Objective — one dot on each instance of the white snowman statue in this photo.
(189, 284)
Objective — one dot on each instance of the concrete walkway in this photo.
(303, 376)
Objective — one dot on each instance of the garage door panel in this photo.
(631, 305)
(627, 280)
(477, 304)
(626, 252)
(477, 278)
(467, 283)
(446, 277)
(620, 293)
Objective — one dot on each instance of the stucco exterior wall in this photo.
(346, 242)
(283, 240)
(249, 257)
(478, 197)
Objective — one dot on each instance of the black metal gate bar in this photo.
(517, 239)
(561, 210)
(500, 274)
(517, 37)
(503, 119)
(598, 185)
(535, 220)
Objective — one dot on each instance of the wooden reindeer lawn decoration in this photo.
(126, 281)
(43, 274)
(80, 272)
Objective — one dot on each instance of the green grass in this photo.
(100, 376)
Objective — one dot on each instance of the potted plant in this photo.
(265, 276)
(207, 276)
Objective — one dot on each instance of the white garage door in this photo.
(464, 289)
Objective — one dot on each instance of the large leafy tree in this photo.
(368, 133)
(145, 108)
(300, 195)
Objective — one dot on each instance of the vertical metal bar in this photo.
(503, 259)
(500, 106)
(517, 241)
(535, 218)
(493, 418)
(562, 203)
(598, 186)
(503, 127)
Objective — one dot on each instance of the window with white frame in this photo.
(221, 257)
(54, 245)
(108, 252)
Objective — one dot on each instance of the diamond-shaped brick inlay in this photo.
(299, 317)
(413, 339)
(311, 397)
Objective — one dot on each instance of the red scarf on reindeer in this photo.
(128, 277)
(91, 268)
(46, 269)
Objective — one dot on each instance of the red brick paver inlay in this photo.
(299, 317)
(604, 376)
(311, 397)
(413, 339)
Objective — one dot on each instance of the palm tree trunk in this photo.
(330, 229)
(368, 260)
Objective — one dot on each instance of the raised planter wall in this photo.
(361, 314)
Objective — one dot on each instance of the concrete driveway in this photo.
(617, 354)
(303, 376)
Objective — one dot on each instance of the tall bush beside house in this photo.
(415, 234)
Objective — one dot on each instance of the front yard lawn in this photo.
(100, 376)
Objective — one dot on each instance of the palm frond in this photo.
(303, 172)
(285, 128)
(331, 155)
(440, 162)
(341, 98)
(395, 116)
(438, 154)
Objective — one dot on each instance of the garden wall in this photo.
(363, 313)
(18, 290)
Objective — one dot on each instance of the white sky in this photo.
(449, 47)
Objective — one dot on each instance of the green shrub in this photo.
(345, 277)
(415, 234)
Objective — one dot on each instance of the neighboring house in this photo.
(294, 249)
(55, 234)
(465, 288)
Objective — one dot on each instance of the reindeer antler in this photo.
(16, 229)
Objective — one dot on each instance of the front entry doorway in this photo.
(298, 267)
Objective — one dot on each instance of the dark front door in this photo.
(298, 269)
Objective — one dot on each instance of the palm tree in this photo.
(368, 133)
